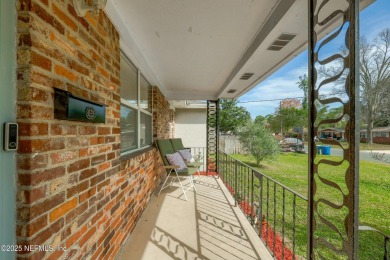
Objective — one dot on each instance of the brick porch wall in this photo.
(161, 115)
(74, 192)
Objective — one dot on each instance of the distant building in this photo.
(290, 103)
(332, 133)
(380, 135)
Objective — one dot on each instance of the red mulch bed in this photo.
(269, 237)
(268, 234)
(230, 188)
(247, 208)
(206, 173)
(288, 254)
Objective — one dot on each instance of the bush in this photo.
(258, 141)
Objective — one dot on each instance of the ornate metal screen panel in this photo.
(212, 135)
(333, 197)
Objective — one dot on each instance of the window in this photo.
(145, 95)
(146, 129)
(129, 81)
(379, 134)
(376, 134)
(136, 108)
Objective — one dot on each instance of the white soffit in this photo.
(199, 49)
(190, 46)
(263, 62)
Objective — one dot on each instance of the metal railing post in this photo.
(283, 219)
(261, 206)
(235, 183)
(294, 223)
(385, 237)
(274, 216)
(252, 197)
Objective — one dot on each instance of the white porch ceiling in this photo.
(199, 49)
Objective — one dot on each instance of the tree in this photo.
(258, 141)
(383, 118)
(331, 113)
(303, 84)
(274, 122)
(374, 72)
(260, 120)
(284, 119)
(374, 76)
(232, 116)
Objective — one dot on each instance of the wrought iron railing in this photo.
(279, 214)
(199, 153)
(376, 232)
(276, 212)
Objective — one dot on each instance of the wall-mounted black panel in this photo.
(69, 107)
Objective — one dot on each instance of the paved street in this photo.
(364, 155)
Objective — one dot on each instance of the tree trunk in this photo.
(258, 160)
(370, 125)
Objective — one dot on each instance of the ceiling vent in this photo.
(231, 91)
(281, 41)
(246, 76)
(274, 48)
(196, 102)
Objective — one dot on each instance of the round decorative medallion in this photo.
(90, 113)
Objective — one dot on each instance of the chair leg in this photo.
(172, 179)
(182, 188)
(190, 178)
(198, 170)
(162, 187)
(192, 182)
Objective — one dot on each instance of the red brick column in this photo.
(66, 189)
(161, 115)
(75, 195)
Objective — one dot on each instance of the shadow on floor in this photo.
(206, 226)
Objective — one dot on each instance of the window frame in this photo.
(138, 108)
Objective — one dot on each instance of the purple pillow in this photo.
(176, 159)
(186, 154)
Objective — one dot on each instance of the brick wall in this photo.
(162, 115)
(173, 123)
(73, 189)
(377, 140)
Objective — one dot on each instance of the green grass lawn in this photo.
(374, 196)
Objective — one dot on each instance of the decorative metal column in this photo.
(212, 135)
(327, 238)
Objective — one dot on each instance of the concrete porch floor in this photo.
(207, 226)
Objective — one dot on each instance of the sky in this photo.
(282, 84)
